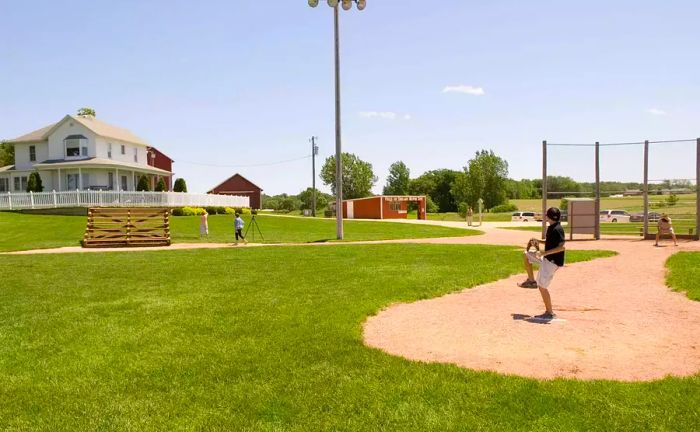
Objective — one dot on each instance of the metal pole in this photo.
(646, 188)
(544, 188)
(313, 175)
(338, 152)
(697, 190)
(597, 191)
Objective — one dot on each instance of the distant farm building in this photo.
(240, 186)
(382, 207)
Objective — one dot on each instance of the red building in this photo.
(240, 186)
(382, 207)
(158, 159)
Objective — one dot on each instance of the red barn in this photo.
(240, 186)
(158, 159)
(382, 207)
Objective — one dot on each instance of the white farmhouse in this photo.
(81, 152)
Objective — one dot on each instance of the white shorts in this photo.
(547, 269)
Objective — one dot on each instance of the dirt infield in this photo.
(617, 320)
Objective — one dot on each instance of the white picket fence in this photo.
(99, 198)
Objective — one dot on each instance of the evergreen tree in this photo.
(34, 183)
(143, 185)
(160, 186)
(180, 185)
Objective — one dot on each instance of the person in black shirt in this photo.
(550, 260)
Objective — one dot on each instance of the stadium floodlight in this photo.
(332, 3)
(347, 4)
(361, 4)
(313, 3)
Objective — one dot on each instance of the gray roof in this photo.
(97, 126)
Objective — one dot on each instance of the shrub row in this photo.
(196, 211)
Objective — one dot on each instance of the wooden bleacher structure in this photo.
(127, 227)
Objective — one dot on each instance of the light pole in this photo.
(314, 152)
(347, 5)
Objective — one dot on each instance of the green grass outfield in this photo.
(269, 339)
(684, 273)
(24, 231)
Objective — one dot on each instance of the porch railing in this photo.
(99, 198)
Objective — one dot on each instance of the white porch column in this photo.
(118, 180)
(80, 178)
(59, 180)
(133, 180)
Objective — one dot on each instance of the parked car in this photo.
(523, 217)
(639, 217)
(614, 216)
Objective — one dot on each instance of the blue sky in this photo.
(221, 86)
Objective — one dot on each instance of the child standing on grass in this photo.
(238, 224)
(550, 261)
(204, 224)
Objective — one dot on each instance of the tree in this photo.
(437, 184)
(86, 111)
(7, 154)
(180, 185)
(306, 197)
(34, 183)
(399, 179)
(357, 175)
(160, 186)
(484, 177)
(143, 184)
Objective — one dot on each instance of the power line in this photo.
(246, 166)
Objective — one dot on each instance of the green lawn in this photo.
(684, 273)
(24, 231)
(269, 339)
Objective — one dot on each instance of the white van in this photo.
(614, 216)
(523, 217)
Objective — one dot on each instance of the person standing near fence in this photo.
(665, 227)
(238, 225)
(470, 215)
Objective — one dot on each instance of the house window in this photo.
(32, 153)
(21, 184)
(110, 181)
(123, 149)
(76, 146)
(124, 185)
(109, 150)
(395, 205)
(4, 185)
(73, 181)
(136, 155)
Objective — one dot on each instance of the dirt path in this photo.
(617, 320)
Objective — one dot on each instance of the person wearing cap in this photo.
(549, 261)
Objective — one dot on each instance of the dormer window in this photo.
(76, 146)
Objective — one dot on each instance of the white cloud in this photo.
(466, 89)
(374, 114)
(656, 111)
(386, 115)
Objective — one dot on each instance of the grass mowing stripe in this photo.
(270, 339)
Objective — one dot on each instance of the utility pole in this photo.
(314, 153)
